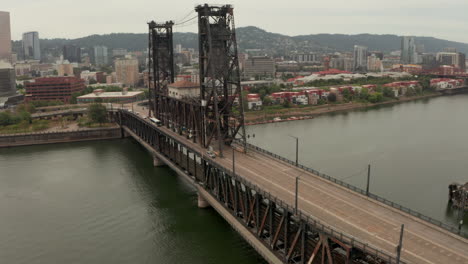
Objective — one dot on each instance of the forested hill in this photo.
(256, 38)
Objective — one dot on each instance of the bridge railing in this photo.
(309, 219)
(314, 222)
(414, 213)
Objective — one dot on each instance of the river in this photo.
(104, 202)
(416, 149)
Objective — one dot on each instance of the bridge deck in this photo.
(368, 220)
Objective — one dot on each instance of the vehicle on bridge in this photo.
(156, 121)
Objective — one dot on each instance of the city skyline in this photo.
(411, 18)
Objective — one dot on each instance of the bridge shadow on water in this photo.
(197, 235)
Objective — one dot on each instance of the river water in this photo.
(416, 149)
(104, 202)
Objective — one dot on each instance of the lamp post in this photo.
(368, 180)
(400, 244)
(297, 193)
(297, 149)
(233, 163)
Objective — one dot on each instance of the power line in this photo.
(185, 17)
(183, 22)
(354, 174)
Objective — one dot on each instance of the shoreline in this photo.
(52, 137)
(327, 109)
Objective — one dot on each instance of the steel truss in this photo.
(219, 75)
(160, 63)
(294, 238)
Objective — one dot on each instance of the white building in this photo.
(360, 58)
(183, 89)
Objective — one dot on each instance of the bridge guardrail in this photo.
(326, 229)
(305, 217)
(423, 217)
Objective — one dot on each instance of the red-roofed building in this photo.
(332, 72)
(446, 83)
(401, 88)
(254, 101)
(183, 89)
(53, 89)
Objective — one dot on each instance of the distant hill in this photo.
(256, 38)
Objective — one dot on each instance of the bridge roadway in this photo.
(367, 220)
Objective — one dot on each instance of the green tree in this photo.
(331, 97)
(97, 113)
(74, 96)
(267, 101)
(347, 95)
(375, 97)
(364, 94)
(286, 104)
(388, 92)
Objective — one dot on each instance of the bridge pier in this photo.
(202, 202)
(157, 162)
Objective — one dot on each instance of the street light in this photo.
(297, 193)
(297, 149)
(368, 180)
(233, 163)
(400, 244)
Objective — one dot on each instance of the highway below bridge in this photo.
(334, 223)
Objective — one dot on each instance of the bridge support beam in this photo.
(202, 202)
(157, 162)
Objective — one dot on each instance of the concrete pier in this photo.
(202, 202)
(157, 162)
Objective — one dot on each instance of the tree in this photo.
(347, 95)
(267, 100)
(331, 97)
(286, 104)
(364, 95)
(375, 97)
(388, 92)
(74, 96)
(97, 113)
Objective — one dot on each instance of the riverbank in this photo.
(52, 137)
(292, 114)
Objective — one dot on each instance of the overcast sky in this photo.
(446, 19)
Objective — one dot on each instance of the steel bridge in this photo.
(333, 223)
(287, 212)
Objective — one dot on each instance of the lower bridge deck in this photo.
(357, 229)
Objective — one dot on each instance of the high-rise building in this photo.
(127, 71)
(450, 49)
(31, 46)
(178, 48)
(53, 88)
(259, 67)
(360, 58)
(119, 52)
(100, 56)
(408, 50)
(72, 53)
(374, 63)
(5, 36)
(462, 61)
(448, 58)
(429, 61)
(306, 57)
(7, 80)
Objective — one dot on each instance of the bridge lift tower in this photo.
(219, 76)
(160, 65)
